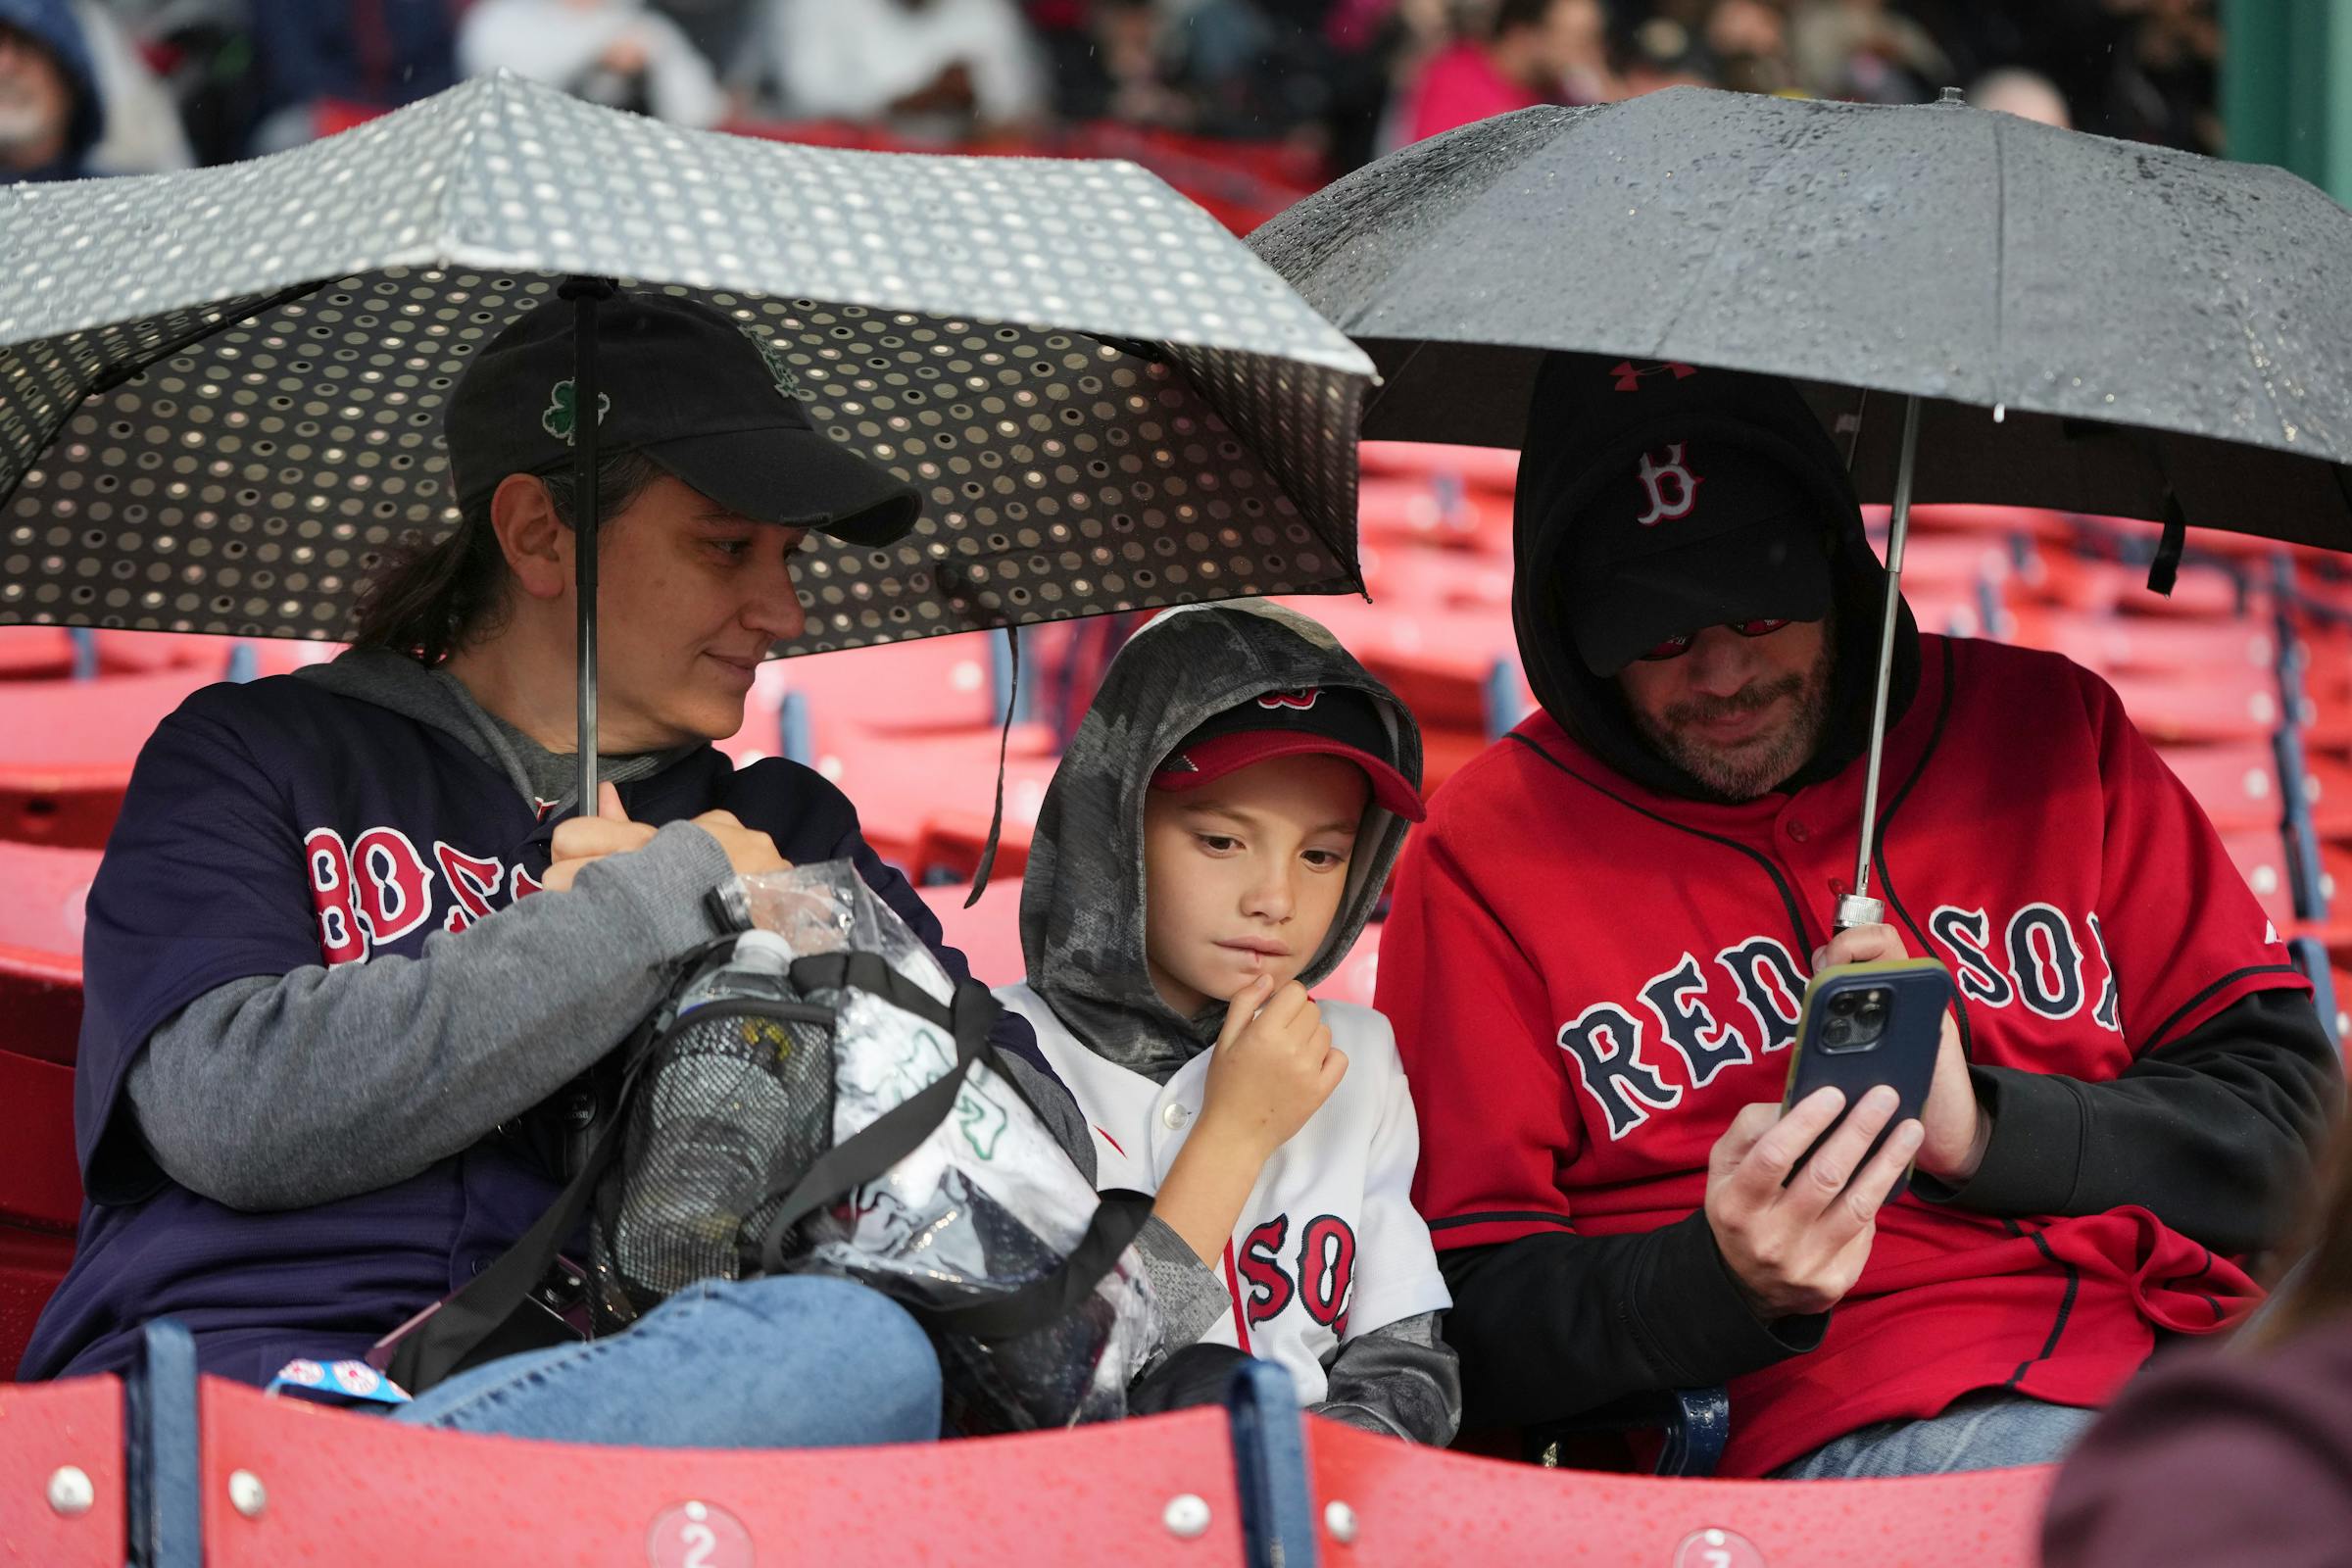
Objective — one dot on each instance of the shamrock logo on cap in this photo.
(562, 417)
(779, 364)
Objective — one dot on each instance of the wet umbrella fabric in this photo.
(221, 391)
(2164, 335)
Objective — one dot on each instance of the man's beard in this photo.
(1763, 762)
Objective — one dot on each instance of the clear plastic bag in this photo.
(985, 1204)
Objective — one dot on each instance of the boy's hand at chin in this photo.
(1273, 1066)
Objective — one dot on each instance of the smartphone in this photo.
(1867, 1024)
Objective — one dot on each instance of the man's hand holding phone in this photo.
(1796, 1245)
(1957, 1128)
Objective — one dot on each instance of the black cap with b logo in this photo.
(1692, 533)
(708, 397)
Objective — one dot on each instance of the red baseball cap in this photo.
(1318, 720)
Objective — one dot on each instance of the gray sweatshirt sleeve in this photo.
(1400, 1379)
(281, 1093)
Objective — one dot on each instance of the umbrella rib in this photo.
(1658, 348)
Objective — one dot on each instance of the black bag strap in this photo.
(901, 1130)
(446, 1342)
(897, 1132)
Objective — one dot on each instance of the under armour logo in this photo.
(1654, 474)
(1302, 698)
(1629, 378)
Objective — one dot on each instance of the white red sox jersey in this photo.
(1589, 980)
(1329, 1245)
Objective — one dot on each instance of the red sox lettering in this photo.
(1633, 1062)
(378, 889)
(1321, 1277)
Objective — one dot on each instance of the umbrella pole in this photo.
(585, 293)
(1858, 908)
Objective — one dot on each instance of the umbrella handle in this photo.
(1858, 908)
(585, 293)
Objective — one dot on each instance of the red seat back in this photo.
(48, 1427)
(1427, 1508)
(40, 1003)
(360, 1491)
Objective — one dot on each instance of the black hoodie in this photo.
(1588, 426)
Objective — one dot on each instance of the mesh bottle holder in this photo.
(734, 1105)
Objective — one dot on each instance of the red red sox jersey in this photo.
(1328, 1246)
(1588, 981)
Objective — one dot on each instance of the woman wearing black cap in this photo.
(352, 928)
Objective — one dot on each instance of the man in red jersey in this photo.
(1601, 938)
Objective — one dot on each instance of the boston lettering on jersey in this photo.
(1693, 1021)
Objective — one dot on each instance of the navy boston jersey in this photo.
(279, 827)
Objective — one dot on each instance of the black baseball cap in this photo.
(708, 397)
(1693, 533)
(1316, 721)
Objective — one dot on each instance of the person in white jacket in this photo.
(867, 59)
(1212, 845)
(613, 52)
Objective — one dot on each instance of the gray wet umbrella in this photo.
(2146, 322)
(2062, 319)
(221, 391)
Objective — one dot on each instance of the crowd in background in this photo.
(111, 86)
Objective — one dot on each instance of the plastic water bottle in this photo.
(712, 1112)
(755, 971)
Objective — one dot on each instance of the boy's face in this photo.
(1242, 876)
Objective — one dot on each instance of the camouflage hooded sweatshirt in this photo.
(1090, 986)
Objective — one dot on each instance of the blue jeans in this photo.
(1991, 1428)
(794, 1361)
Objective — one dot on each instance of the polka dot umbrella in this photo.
(221, 391)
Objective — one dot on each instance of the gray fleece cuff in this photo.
(670, 883)
(1190, 1295)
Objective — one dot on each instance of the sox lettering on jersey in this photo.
(378, 889)
(1320, 1275)
(2040, 961)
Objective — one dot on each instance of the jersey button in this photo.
(1174, 1118)
(1799, 832)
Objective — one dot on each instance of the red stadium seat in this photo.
(41, 1003)
(46, 888)
(2225, 704)
(932, 684)
(70, 747)
(2138, 645)
(36, 652)
(1354, 978)
(1492, 469)
(2237, 784)
(989, 934)
(48, 1428)
(2261, 858)
(1994, 522)
(40, 1183)
(1379, 1502)
(363, 1492)
(71, 807)
(1410, 512)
